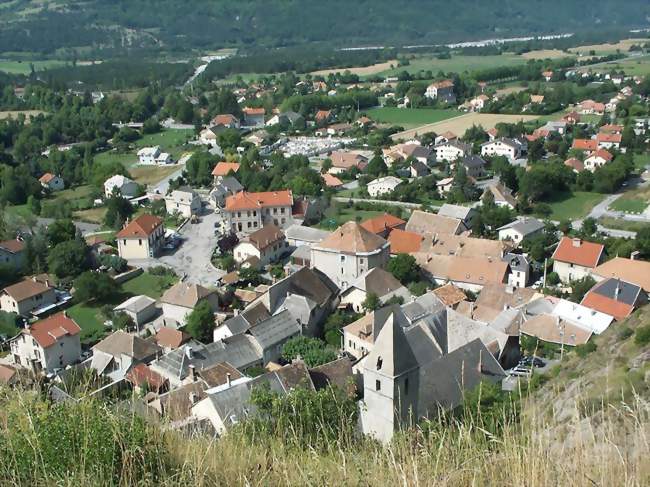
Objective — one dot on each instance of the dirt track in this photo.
(361, 71)
(460, 124)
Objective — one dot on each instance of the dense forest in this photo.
(44, 27)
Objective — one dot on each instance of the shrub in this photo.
(586, 349)
(642, 335)
(624, 333)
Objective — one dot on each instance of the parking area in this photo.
(192, 258)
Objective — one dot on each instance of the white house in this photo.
(141, 309)
(441, 90)
(348, 252)
(266, 244)
(127, 187)
(179, 301)
(51, 182)
(519, 269)
(383, 185)
(597, 159)
(452, 150)
(48, 345)
(518, 230)
(510, 148)
(574, 258)
(184, 201)
(376, 281)
(153, 155)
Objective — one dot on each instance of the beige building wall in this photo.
(570, 272)
(10, 305)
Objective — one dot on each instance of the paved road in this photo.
(84, 228)
(192, 258)
(163, 186)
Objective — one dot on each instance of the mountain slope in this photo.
(27, 25)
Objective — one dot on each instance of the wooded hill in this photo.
(43, 26)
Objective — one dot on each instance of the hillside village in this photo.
(305, 245)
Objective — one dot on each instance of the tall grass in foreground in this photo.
(90, 444)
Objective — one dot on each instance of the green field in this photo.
(149, 285)
(641, 161)
(456, 64)
(24, 67)
(637, 66)
(629, 205)
(571, 206)
(411, 117)
(89, 315)
(620, 224)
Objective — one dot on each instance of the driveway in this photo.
(192, 258)
(83, 227)
(163, 186)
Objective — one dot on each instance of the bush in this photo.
(624, 333)
(642, 335)
(312, 350)
(586, 349)
(552, 279)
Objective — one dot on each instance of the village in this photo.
(404, 273)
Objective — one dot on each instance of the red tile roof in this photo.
(223, 168)
(254, 111)
(575, 163)
(331, 181)
(141, 374)
(606, 137)
(403, 242)
(602, 153)
(224, 119)
(618, 309)
(46, 332)
(381, 223)
(170, 337)
(585, 144)
(13, 246)
(253, 201)
(578, 252)
(141, 227)
(46, 178)
(611, 128)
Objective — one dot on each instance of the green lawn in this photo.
(456, 64)
(411, 117)
(24, 67)
(638, 66)
(629, 205)
(620, 224)
(641, 161)
(570, 206)
(89, 315)
(149, 285)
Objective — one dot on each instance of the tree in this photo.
(229, 139)
(118, 209)
(580, 287)
(643, 240)
(61, 231)
(68, 259)
(589, 227)
(371, 302)
(200, 322)
(122, 321)
(94, 286)
(404, 268)
(250, 275)
(377, 167)
(312, 350)
(326, 166)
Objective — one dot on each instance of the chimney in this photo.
(577, 242)
(192, 373)
(188, 352)
(228, 379)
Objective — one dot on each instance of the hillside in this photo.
(35, 25)
(586, 425)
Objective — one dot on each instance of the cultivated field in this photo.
(460, 124)
(456, 64)
(608, 48)
(15, 113)
(361, 71)
(410, 117)
(25, 67)
(545, 54)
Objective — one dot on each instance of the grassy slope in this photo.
(575, 205)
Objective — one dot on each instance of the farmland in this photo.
(460, 124)
(25, 67)
(410, 117)
(458, 64)
(361, 70)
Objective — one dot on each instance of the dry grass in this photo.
(361, 71)
(623, 45)
(15, 113)
(459, 125)
(152, 174)
(92, 215)
(545, 54)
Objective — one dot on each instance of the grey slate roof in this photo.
(456, 211)
(241, 351)
(622, 291)
(525, 225)
(275, 329)
(473, 161)
(305, 234)
(517, 262)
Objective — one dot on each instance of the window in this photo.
(282, 210)
(343, 258)
(380, 362)
(361, 261)
(378, 385)
(139, 241)
(406, 386)
(254, 212)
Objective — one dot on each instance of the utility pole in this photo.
(544, 281)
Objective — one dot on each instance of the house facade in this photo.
(126, 187)
(385, 185)
(441, 90)
(48, 345)
(153, 155)
(575, 258)
(248, 212)
(27, 295)
(12, 254)
(451, 151)
(502, 147)
(142, 238)
(51, 182)
(186, 202)
(267, 244)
